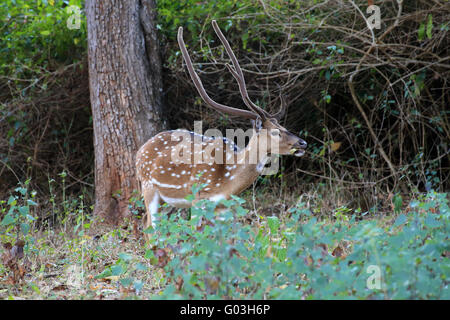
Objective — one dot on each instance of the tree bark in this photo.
(126, 94)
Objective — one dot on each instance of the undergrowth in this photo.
(236, 255)
(305, 51)
(300, 257)
(341, 225)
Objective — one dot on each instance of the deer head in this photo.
(163, 179)
(287, 142)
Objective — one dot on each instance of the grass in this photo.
(80, 258)
(64, 266)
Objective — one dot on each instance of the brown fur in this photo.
(160, 172)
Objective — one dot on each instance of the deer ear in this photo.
(257, 124)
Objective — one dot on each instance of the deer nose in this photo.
(301, 144)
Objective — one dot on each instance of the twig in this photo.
(358, 104)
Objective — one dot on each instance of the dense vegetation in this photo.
(370, 192)
(294, 256)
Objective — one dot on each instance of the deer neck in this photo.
(250, 163)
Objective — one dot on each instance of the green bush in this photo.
(304, 50)
(17, 217)
(300, 257)
(307, 51)
(35, 34)
(42, 82)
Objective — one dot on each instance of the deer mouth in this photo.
(298, 152)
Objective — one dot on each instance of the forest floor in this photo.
(69, 261)
(66, 260)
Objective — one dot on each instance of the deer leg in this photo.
(219, 211)
(151, 199)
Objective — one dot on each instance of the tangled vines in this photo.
(372, 104)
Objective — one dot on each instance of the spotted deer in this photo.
(170, 163)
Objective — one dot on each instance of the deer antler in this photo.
(238, 75)
(201, 90)
(280, 114)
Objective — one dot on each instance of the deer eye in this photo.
(275, 133)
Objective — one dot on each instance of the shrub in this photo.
(299, 257)
(391, 130)
(44, 94)
(35, 37)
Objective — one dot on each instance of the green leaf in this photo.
(106, 273)
(273, 223)
(25, 228)
(421, 31)
(45, 32)
(125, 256)
(244, 40)
(148, 230)
(401, 219)
(117, 270)
(138, 285)
(431, 222)
(23, 191)
(24, 211)
(398, 202)
(141, 267)
(148, 254)
(241, 211)
(126, 282)
(239, 200)
(12, 201)
(430, 26)
(8, 219)
(322, 152)
(31, 202)
(35, 288)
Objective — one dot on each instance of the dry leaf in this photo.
(202, 223)
(335, 146)
(234, 252)
(179, 283)
(308, 261)
(135, 229)
(10, 259)
(61, 287)
(212, 284)
(162, 255)
(324, 248)
(269, 252)
(338, 252)
(110, 278)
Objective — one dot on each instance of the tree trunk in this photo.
(125, 92)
